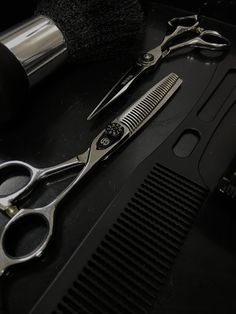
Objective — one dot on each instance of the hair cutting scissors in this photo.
(111, 138)
(188, 25)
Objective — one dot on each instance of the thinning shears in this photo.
(177, 27)
(112, 137)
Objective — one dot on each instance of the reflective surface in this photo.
(39, 46)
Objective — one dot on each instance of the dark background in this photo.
(52, 135)
(220, 9)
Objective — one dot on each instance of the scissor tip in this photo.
(90, 117)
(97, 110)
(94, 113)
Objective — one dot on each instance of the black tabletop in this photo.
(53, 128)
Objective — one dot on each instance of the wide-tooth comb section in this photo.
(147, 105)
(130, 268)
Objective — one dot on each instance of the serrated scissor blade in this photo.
(150, 103)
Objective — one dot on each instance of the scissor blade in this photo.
(119, 88)
(131, 120)
(148, 105)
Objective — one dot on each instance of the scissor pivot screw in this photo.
(114, 130)
(148, 57)
(11, 211)
(113, 133)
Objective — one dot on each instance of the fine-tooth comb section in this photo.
(137, 114)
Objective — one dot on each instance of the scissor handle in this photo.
(184, 22)
(207, 39)
(14, 232)
(34, 174)
(16, 228)
(6, 201)
(178, 26)
(212, 40)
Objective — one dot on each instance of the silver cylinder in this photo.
(39, 46)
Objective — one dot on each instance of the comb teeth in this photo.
(135, 116)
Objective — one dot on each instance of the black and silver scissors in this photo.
(111, 138)
(188, 25)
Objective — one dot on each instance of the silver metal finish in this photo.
(204, 39)
(35, 175)
(39, 46)
(135, 116)
(107, 141)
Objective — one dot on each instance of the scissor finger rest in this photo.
(25, 236)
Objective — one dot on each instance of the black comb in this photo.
(127, 258)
